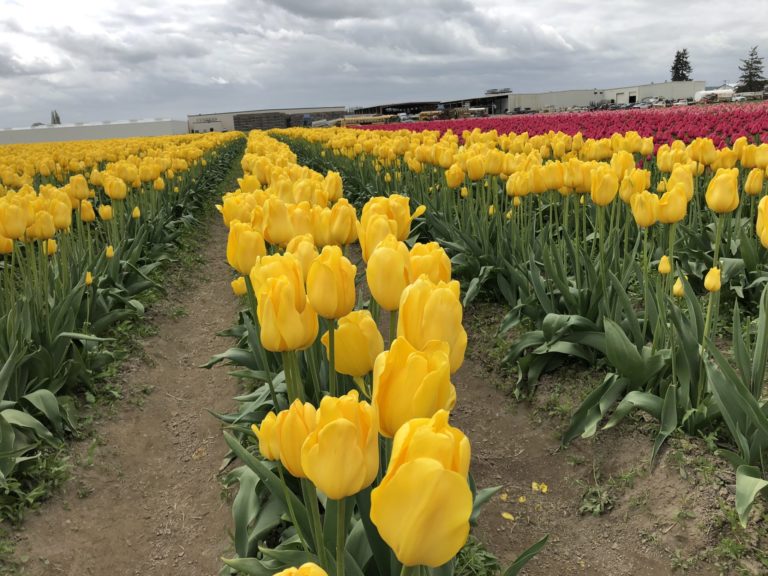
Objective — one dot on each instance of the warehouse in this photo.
(92, 131)
(508, 102)
(262, 119)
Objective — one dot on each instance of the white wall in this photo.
(66, 132)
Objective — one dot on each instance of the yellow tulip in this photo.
(79, 186)
(454, 176)
(665, 266)
(341, 455)
(677, 289)
(431, 311)
(6, 245)
(304, 249)
(723, 191)
(239, 287)
(333, 186)
(51, 247)
(158, 184)
(87, 213)
(604, 186)
(269, 435)
(277, 225)
(42, 226)
(408, 383)
(374, 231)
(136, 213)
(62, 214)
(645, 207)
(105, 212)
(88, 278)
(399, 209)
(358, 342)
(293, 427)
(331, 283)
(682, 175)
(672, 205)
(430, 259)
(762, 221)
(275, 265)
(109, 252)
(115, 188)
(308, 569)
(423, 504)
(475, 167)
(465, 191)
(343, 223)
(389, 272)
(712, 280)
(13, 221)
(283, 326)
(754, 184)
(244, 246)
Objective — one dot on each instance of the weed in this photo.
(474, 559)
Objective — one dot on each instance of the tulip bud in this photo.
(13, 221)
(454, 176)
(673, 205)
(665, 266)
(6, 245)
(136, 213)
(331, 283)
(88, 278)
(712, 280)
(293, 427)
(723, 191)
(158, 184)
(476, 167)
(761, 227)
(51, 247)
(109, 252)
(423, 504)
(341, 455)
(754, 184)
(677, 289)
(343, 223)
(389, 272)
(238, 286)
(269, 435)
(408, 383)
(105, 212)
(358, 343)
(278, 229)
(465, 192)
(605, 185)
(308, 569)
(115, 188)
(244, 246)
(421, 303)
(304, 249)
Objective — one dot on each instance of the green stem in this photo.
(392, 326)
(341, 536)
(291, 511)
(332, 384)
(310, 501)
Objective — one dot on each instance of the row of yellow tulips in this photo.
(278, 219)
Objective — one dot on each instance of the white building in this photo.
(92, 131)
(262, 119)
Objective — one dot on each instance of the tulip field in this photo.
(633, 244)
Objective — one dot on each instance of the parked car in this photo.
(738, 98)
(680, 103)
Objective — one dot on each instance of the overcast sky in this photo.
(110, 60)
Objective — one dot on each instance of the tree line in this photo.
(750, 80)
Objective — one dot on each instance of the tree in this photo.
(751, 79)
(681, 67)
(55, 117)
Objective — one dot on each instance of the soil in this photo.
(144, 497)
(653, 522)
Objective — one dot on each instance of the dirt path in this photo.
(653, 523)
(145, 500)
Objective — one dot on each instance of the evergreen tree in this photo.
(751, 79)
(681, 67)
(55, 117)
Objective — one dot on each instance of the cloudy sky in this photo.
(110, 60)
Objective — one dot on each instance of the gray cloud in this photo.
(149, 59)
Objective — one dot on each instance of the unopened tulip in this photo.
(136, 213)
(681, 174)
(51, 247)
(430, 259)
(373, 231)
(331, 283)
(645, 207)
(293, 426)
(269, 436)
(13, 221)
(276, 265)
(677, 289)
(87, 214)
(42, 226)
(389, 272)
(109, 252)
(115, 188)
(423, 504)
(158, 184)
(238, 286)
(357, 343)
(430, 311)
(673, 205)
(333, 186)
(88, 278)
(308, 569)
(761, 227)
(341, 455)
(723, 191)
(244, 246)
(283, 327)
(665, 266)
(454, 176)
(277, 224)
(409, 383)
(343, 223)
(105, 212)
(604, 186)
(712, 280)
(754, 184)
(476, 167)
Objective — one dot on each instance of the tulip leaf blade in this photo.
(525, 557)
(749, 483)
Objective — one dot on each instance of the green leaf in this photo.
(622, 354)
(749, 483)
(760, 351)
(381, 552)
(481, 498)
(525, 557)
(668, 420)
(45, 401)
(249, 566)
(24, 420)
